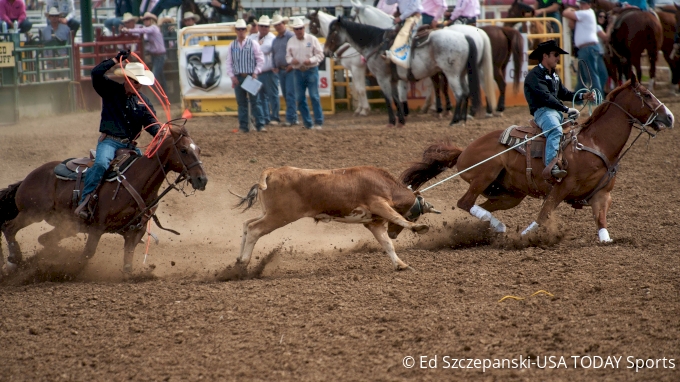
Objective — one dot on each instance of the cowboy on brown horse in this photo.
(544, 93)
(125, 112)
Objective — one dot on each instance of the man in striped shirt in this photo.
(245, 58)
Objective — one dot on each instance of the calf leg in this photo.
(255, 229)
(245, 234)
(600, 204)
(380, 232)
(382, 209)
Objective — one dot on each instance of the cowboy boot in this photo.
(558, 172)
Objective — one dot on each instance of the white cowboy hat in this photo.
(53, 12)
(127, 16)
(264, 21)
(297, 23)
(136, 71)
(277, 19)
(240, 23)
(190, 15)
(149, 15)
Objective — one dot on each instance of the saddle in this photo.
(74, 168)
(535, 148)
(421, 38)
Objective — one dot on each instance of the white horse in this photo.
(346, 56)
(446, 51)
(366, 14)
(369, 15)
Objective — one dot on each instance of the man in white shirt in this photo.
(269, 94)
(304, 53)
(585, 39)
(410, 14)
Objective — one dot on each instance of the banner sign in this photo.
(7, 55)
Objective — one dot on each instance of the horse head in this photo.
(336, 37)
(519, 9)
(641, 104)
(368, 15)
(180, 154)
(314, 25)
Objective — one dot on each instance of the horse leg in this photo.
(436, 85)
(480, 179)
(10, 230)
(500, 81)
(455, 83)
(652, 68)
(386, 87)
(402, 90)
(60, 232)
(91, 244)
(359, 83)
(380, 233)
(600, 204)
(445, 90)
(496, 203)
(554, 198)
(132, 238)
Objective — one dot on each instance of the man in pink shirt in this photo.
(245, 58)
(15, 10)
(433, 11)
(465, 13)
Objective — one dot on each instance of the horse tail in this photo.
(8, 205)
(473, 74)
(517, 49)
(249, 199)
(487, 67)
(436, 159)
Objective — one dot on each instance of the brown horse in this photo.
(505, 42)
(519, 9)
(41, 196)
(637, 31)
(593, 160)
(670, 22)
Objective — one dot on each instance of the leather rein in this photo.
(612, 168)
(184, 175)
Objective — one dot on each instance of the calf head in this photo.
(420, 207)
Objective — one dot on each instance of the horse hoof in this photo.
(9, 268)
(400, 125)
(490, 115)
(389, 126)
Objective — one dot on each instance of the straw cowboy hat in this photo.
(136, 71)
(149, 15)
(191, 15)
(264, 21)
(546, 47)
(127, 16)
(277, 19)
(240, 23)
(297, 23)
(53, 12)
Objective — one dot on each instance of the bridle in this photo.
(636, 122)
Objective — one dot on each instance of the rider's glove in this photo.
(573, 113)
(123, 55)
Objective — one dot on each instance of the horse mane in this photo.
(602, 108)
(363, 35)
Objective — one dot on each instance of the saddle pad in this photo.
(63, 172)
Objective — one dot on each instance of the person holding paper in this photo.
(304, 53)
(244, 58)
(269, 95)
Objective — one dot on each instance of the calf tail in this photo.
(249, 199)
(436, 159)
(8, 205)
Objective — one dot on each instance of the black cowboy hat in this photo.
(546, 47)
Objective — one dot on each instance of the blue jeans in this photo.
(308, 80)
(603, 74)
(242, 99)
(591, 55)
(165, 4)
(157, 63)
(106, 151)
(287, 81)
(427, 19)
(113, 24)
(269, 97)
(547, 118)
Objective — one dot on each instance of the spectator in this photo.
(284, 69)
(269, 94)
(410, 18)
(602, 41)
(15, 10)
(154, 44)
(433, 10)
(549, 8)
(189, 19)
(585, 39)
(244, 58)
(122, 7)
(119, 125)
(55, 33)
(68, 11)
(304, 53)
(465, 13)
(226, 9)
(252, 25)
(149, 5)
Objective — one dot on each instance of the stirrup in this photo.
(558, 172)
(82, 211)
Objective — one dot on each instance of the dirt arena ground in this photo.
(329, 306)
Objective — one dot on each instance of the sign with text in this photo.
(6, 55)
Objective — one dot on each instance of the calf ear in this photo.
(429, 208)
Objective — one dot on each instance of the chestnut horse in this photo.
(519, 9)
(593, 160)
(41, 196)
(670, 22)
(505, 42)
